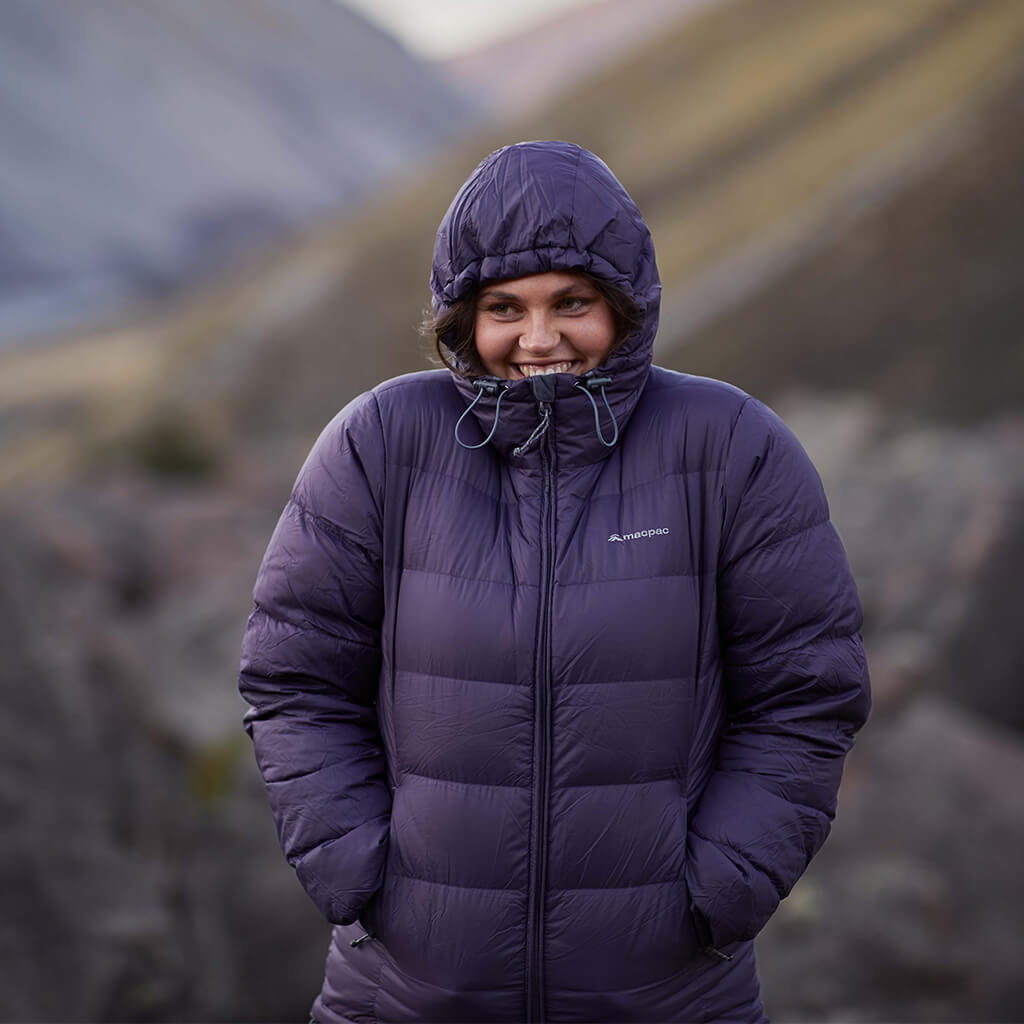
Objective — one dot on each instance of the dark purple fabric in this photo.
(548, 724)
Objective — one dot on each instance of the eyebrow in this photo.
(494, 293)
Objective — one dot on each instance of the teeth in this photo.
(529, 370)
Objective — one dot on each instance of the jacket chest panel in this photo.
(634, 576)
(618, 526)
(464, 602)
(631, 564)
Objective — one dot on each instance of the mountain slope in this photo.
(750, 136)
(522, 72)
(847, 89)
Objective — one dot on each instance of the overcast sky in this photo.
(441, 28)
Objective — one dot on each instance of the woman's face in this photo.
(555, 322)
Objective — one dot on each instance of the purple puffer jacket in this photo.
(559, 728)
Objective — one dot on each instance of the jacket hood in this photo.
(539, 206)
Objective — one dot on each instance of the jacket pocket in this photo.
(698, 932)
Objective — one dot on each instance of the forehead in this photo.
(537, 285)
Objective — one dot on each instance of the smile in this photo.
(536, 369)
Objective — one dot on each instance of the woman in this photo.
(555, 657)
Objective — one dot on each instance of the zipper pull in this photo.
(711, 951)
(362, 938)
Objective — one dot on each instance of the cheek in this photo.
(601, 336)
(491, 342)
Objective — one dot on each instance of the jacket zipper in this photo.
(542, 733)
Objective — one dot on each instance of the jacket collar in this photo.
(528, 209)
(587, 414)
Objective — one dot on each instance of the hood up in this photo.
(527, 209)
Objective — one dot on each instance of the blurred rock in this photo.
(933, 520)
(140, 873)
(912, 910)
(984, 656)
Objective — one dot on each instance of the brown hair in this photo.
(453, 330)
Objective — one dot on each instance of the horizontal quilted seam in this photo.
(783, 653)
(781, 539)
(405, 568)
(445, 475)
(510, 890)
(307, 625)
(329, 527)
(651, 884)
(430, 677)
(405, 772)
(497, 499)
(675, 779)
(605, 580)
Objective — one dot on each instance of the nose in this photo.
(540, 335)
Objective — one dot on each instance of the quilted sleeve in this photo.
(310, 663)
(795, 678)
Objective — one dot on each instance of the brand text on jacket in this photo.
(638, 534)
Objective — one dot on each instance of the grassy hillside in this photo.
(917, 300)
(743, 117)
(753, 138)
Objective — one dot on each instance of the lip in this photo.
(538, 367)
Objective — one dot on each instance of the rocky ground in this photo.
(140, 872)
(139, 867)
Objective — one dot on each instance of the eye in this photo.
(500, 308)
(572, 303)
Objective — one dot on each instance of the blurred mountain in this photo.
(521, 72)
(833, 190)
(146, 142)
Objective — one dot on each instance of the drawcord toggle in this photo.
(588, 385)
(483, 387)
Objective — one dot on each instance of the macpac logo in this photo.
(660, 531)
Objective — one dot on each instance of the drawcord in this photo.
(538, 431)
(587, 385)
(544, 392)
(484, 387)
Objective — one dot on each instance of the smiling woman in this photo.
(572, 295)
(554, 659)
(544, 323)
